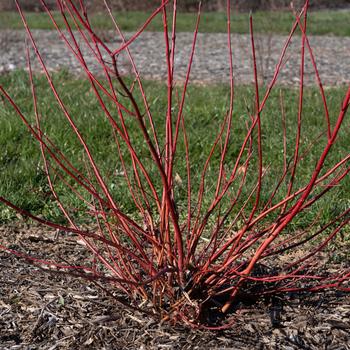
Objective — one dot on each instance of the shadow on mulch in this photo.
(49, 311)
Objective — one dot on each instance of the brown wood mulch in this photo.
(41, 310)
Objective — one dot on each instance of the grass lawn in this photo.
(23, 181)
(331, 22)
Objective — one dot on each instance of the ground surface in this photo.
(210, 62)
(41, 310)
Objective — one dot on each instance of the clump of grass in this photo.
(23, 181)
(187, 223)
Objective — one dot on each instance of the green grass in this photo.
(329, 22)
(23, 181)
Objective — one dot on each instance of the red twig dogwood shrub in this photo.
(182, 263)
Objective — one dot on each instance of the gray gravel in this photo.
(210, 63)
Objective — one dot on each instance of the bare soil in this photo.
(47, 310)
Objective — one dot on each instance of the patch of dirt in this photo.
(46, 310)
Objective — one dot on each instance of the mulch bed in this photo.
(46, 310)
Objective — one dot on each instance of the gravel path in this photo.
(210, 63)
